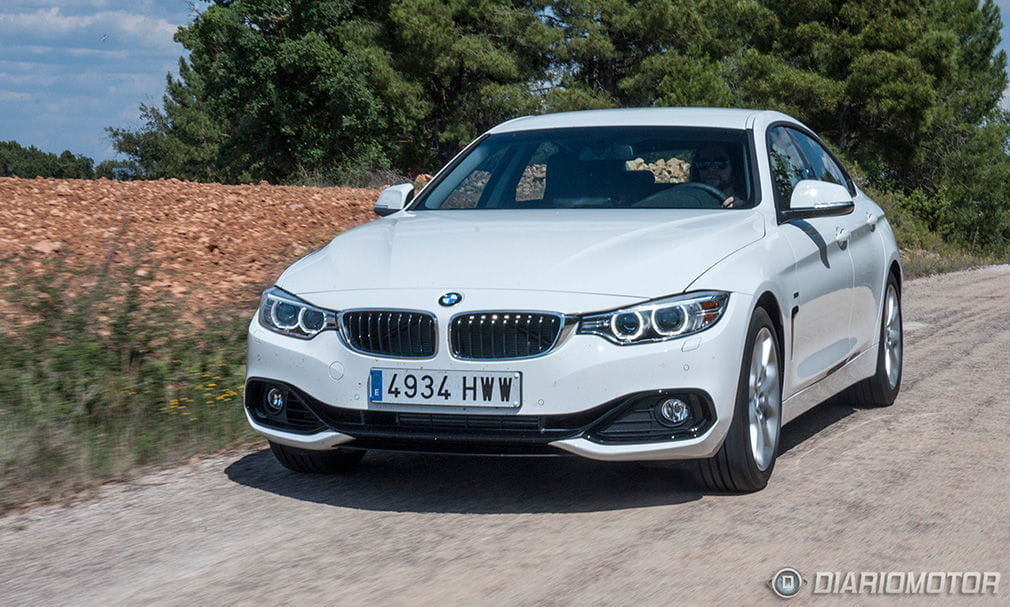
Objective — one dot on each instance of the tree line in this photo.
(283, 90)
(30, 162)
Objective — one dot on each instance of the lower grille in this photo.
(398, 333)
(464, 447)
(486, 335)
(463, 423)
(624, 420)
(294, 417)
(370, 423)
(636, 421)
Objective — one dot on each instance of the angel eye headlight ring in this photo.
(659, 319)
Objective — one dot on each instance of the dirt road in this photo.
(920, 486)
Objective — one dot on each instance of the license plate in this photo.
(452, 388)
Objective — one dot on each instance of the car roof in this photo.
(664, 116)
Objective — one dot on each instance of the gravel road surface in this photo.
(920, 486)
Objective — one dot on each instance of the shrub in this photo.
(103, 372)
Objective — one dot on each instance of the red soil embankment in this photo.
(201, 239)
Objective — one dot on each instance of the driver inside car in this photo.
(713, 166)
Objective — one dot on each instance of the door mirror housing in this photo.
(394, 198)
(812, 199)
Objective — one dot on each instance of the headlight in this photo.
(284, 313)
(658, 320)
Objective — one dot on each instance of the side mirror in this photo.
(812, 199)
(394, 198)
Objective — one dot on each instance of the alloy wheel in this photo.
(892, 337)
(764, 404)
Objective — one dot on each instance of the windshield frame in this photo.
(417, 204)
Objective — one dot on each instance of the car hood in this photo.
(639, 253)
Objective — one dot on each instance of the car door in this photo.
(866, 248)
(822, 279)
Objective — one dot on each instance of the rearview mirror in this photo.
(812, 198)
(394, 198)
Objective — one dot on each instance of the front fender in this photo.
(766, 266)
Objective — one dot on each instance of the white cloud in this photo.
(28, 80)
(106, 26)
(61, 52)
(91, 52)
(14, 96)
(72, 4)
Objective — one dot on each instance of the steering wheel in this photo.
(689, 194)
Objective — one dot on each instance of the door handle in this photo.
(871, 220)
(842, 237)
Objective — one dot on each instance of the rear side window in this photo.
(821, 163)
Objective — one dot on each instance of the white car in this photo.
(623, 285)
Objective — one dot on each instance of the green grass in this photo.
(103, 374)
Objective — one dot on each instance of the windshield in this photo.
(601, 168)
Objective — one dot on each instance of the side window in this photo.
(787, 164)
(824, 167)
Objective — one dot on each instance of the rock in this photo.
(47, 247)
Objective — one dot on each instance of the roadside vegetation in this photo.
(925, 251)
(99, 378)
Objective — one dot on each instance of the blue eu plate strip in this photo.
(375, 385)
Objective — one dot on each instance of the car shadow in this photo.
(403, 482)
(425, 483)
(813, 421)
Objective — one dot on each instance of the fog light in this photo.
(274, 401)
(673, 412)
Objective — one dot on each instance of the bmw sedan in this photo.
(622, 285)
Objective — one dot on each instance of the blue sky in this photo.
(70, 68)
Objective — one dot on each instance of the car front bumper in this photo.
(567, 394)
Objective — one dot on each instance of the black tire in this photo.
(734, 467)
(317, 462)
(879, 390)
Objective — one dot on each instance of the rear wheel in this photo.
(316, 462)
(745, 461)
(882, 387)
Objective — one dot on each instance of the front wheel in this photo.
(745, 461)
